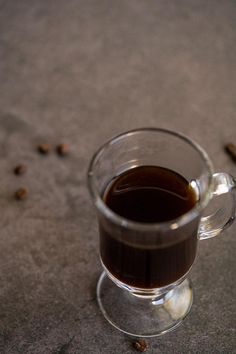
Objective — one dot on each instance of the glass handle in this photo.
(212, 225)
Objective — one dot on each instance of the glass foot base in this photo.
(143, 317)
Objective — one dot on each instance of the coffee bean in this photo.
(62, 149)
(140, 345)
(231, 150)
(21, 193)
(20, 169)
(44, 148)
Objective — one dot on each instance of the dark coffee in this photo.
(149, 194)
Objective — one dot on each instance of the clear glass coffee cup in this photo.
(144, 290)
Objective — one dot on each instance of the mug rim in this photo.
(135, 225)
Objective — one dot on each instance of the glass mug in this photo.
(133, 251)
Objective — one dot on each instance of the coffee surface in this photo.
(150, 194)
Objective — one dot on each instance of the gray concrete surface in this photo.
(79, 72)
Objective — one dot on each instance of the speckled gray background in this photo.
(79, 72)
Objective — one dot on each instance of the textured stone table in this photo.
(80, 71)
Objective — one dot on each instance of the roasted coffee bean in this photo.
(21, 193)
(140, 345)
(62, 149)
(20, 169)
(44, 148)
(231, 150)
